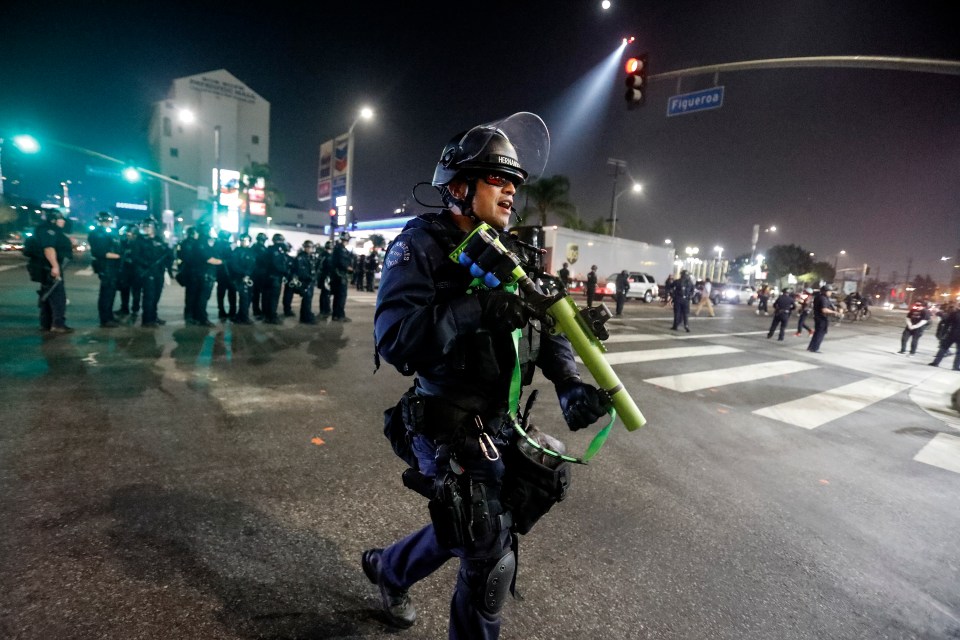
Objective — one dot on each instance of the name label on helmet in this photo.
(507, 160)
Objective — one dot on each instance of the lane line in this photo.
(818, 409)
(943, 451)
(628, 357)
(719, 377)
(647, 337)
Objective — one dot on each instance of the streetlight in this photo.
(366, 113)
(26, 144)
(753, 246)
(836, 261)
(719, 251)
(635, 188)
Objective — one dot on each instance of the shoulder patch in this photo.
(399, 254)
(51, 232)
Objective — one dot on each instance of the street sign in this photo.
(703, 100)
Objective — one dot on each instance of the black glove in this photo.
(502, 310)
(582, 404)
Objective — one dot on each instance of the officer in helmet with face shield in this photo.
(459, 338)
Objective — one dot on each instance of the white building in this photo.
(230, 130)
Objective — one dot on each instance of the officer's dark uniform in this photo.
(564, 275)
(242, 263)
(104, 241)
(432, 321)
(259, 275)
(127, 283)
(324, 271)
(918, 319)
(288, 287)
(782, 307)
(359, 266)
(276, 265)
(623, 285)
(204, 274)
(152, 258)
(821, 319)
(341, 267)
(951, 337)
(305, 268)
(681, 294)
(53, 293)
(186, 272)
(591, 286)
(370, 268)
(225, 288)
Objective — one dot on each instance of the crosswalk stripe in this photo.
(815, 410)
(943, 451)
(719, 377)
(618, 338)
(627, 357)
(633, 337)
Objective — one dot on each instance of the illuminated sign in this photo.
(229, 187)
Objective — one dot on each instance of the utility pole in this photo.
(617, 166)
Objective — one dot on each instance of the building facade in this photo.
(229, 131)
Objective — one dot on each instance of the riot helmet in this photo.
(53, 214)
(308, 244)
(223, 235)
(278, 239)
(244, 236)
(261, 237)
(328, 246)
(105, 217)
(344, 236)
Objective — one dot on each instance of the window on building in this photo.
(174, 152)
(167, 127)
(255, 140)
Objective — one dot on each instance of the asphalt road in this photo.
(222, 483)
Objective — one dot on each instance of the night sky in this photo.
(861, 160)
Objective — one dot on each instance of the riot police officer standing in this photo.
(276, 265)
(370, 267)
(341, 268)
(324, 266)
(204, 269)
(187, 272)
(242, 263)
(433, 321)
(259, 275)
(305, 271)
(223, 248)
(681, 294)
(128, 284)
(152, 259)
(106, 252)
(54, 250)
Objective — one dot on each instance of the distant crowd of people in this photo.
(253, 280)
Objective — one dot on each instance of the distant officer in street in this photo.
(823, 308)
(242, 264)
(782, 307)
(204, 267)
(127, 284)
(951, 337)
(681, 294)
(152, 259)
(324, 273)
(305, 270)
(186, 274)
(917, 321)
(359, 267)
(223, 247)
(54, 251)
(276, 267)
(623, 286)
(564, 275)
(591, 285)
(259, 275)
(105, 249)
(370, 267)
(804, 302)
(341, 269)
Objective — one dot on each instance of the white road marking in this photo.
(818, 409)
(7, 267)
(647, 337)
(627, 357)
(943, 451)
(719, 377)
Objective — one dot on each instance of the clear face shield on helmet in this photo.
(517, 145)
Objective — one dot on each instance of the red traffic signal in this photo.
(333, 213)
(636, 81)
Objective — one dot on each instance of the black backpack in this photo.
(37, 266)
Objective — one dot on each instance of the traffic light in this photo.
(636, 81)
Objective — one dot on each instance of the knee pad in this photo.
(497, 583)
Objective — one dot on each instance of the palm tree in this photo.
(546, 196)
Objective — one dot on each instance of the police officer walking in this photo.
(782, 307)
(106, 252)
(822, 310)
(242, 263)
(341, 268)
(917, 320)
(54, 250)
(431, 319)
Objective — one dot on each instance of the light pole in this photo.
(635, 188)
(26, 144)
(366, 113)
(753, 247)
(836, 262)
(617, 166)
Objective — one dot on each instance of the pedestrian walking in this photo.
(705, 300)
(804, 302)
(917, 321)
